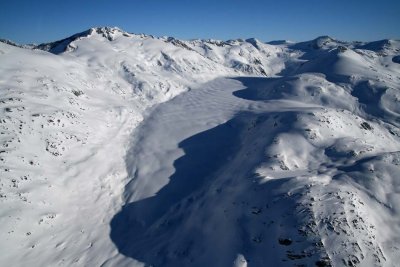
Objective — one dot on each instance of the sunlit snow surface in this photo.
(129, 150)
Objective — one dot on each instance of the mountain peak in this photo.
(322, 41)
(109, 32)
(57, 47)
(381, 45)
(255, 42)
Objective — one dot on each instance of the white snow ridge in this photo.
(120, 149)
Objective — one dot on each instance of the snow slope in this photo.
(130, 150)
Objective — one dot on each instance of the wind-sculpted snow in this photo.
(121, 149)
(210, 210)
(282, 196)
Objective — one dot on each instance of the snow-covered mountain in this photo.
(121, 149)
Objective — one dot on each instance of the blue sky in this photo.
(27, 21)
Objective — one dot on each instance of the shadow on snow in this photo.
(133, 229)
(168, 228)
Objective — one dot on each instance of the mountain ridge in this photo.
(107, 32)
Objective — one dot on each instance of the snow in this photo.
(121, 149)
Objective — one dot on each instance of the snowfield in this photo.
(120, 149)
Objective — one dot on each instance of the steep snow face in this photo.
(129, 150)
